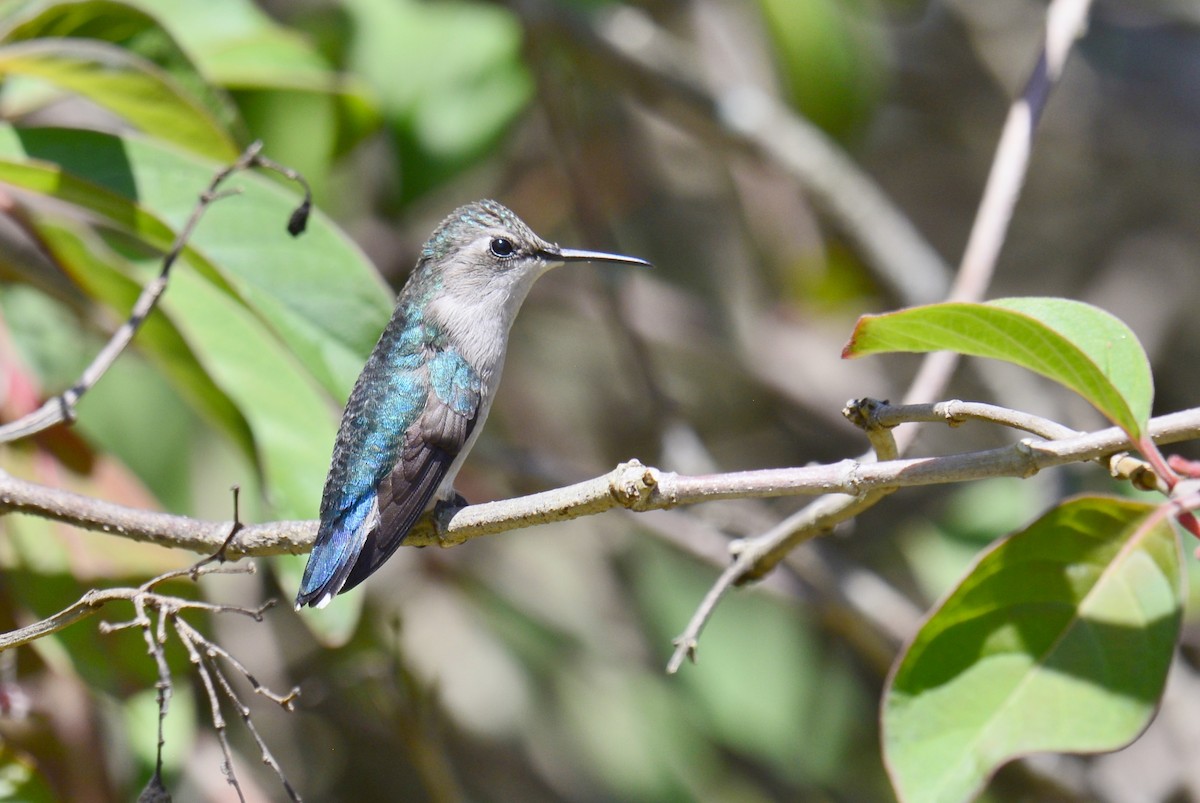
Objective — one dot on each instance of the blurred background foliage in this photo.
(528, 666)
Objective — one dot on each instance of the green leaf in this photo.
(1077, 345)
(318, 293)
(292, 421)
(1059, 640)
(265, 315)
(105, 276)
(52, 344)
(239, 47)
(130, 28)
(126, 85)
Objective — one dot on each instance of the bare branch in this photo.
(91, 603)
(1066, 20)
(204, 654)
(955, 412)
(754, 557)
(19, 496)
(631, 485)
(214, 704)
(154, 644)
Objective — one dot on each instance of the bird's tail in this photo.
(339, 542)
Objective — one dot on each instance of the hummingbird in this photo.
(420, 402)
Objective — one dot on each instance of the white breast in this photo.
(477, 320)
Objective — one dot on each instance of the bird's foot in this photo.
(444, 510)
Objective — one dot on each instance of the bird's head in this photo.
(484, 251)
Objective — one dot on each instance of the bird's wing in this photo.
(380, 464)
(387, 394)
(428, 449)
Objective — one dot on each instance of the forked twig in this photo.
(154, 614)
(204, 654)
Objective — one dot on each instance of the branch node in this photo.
(864, 413)
(66, 406)
(257, 615)
(950, 411)
(1027, 449)
(113, 627)
(632, 484)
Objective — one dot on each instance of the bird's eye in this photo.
(502, 247)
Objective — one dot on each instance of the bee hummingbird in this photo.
(421, 399)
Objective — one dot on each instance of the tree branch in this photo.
(630, 485)
(1066, 20)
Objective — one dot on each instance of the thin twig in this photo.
(208, 652)
(214, 705)
(820, 516)
(91, 603)
(754, 557)
(1066, 21)
(163, 687)
(955, 412)
(221, 555)
(202, 652)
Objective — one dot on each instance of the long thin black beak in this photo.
(576, 255)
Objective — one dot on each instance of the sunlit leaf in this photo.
(124, 84)
(240, 48)
(318, 293)
(100, 273)
(1075, 344)
(266, 315)
(1058, 640)
(136, 30)
(293, 423)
